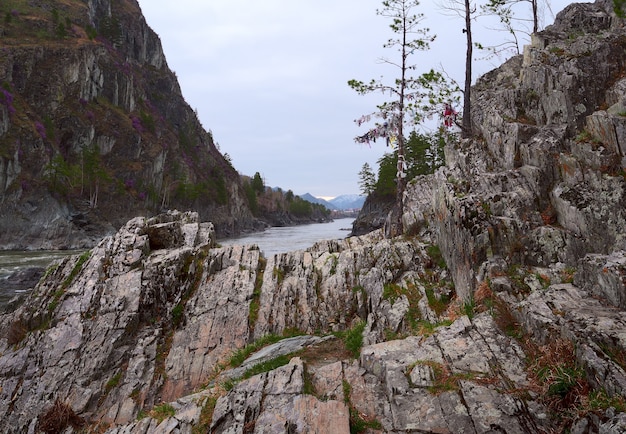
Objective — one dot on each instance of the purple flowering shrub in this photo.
(6, 98)
(41, 130)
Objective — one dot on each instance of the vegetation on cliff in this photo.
(500, 307)
(94, 130)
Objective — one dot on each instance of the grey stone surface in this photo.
(529, 219)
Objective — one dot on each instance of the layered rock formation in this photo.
(94, 129)
(521, 329)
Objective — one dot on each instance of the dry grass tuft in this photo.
(556, 376)
(58, 417)
(17, 332)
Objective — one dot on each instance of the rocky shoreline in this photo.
(501, 308)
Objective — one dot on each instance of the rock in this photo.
(372, 215)
(274, 402)
(520, 329)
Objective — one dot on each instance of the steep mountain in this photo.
(94, 129)
(500, 309)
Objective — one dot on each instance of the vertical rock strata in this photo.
(500, 310)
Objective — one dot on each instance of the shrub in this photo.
(177, 314)
(58, 417)
(435, 254)
(17, 332)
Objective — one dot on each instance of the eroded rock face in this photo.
(112, 97)
(546, 184)
(530, 221)
(150, 314)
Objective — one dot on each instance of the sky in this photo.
(269, 78)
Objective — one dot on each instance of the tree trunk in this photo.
(466, 131)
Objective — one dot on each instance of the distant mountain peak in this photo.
(341, 202)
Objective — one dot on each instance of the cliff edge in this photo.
(501, 309)
(94, 130)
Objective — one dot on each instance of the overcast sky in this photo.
(269, 79)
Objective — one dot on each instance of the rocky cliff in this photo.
(94, 129)
(501, 309)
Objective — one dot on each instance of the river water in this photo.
(12, 261)
(270, 241)
(290, 238)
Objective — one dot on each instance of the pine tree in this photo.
(514, 23)
(367, 179)
(413, 99)
(257, 183)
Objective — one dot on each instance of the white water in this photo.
(12, 261)
(290, 238)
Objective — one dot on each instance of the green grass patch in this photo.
(333, 266)
(516, 275)
(279, 275)
(561, 379)
(392, 292)
(438, 304)
(241, 354)
(77, 267)
(206, 416)
(353, 338)
(177, 314)
(434, 253)
(162, 412)
(443, 379)
(600, 401)
(267, 366)
(427, 328)
(255, 302)
(113, 382)
(469, 307)
(358, 424)
(56, 299)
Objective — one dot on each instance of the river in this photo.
(270, 241)
(13, 261)
(289, 238)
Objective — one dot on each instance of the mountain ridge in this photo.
(342, 202)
